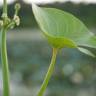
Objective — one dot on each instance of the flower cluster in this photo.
(8, 23)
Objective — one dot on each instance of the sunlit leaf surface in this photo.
(62, 29)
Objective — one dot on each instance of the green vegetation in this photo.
(57, 35)
(6, 23)
(62, 30)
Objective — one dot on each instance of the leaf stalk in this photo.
(49, 73)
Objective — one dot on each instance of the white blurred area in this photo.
(51, 1)
(9, 1)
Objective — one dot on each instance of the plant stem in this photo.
(4, 64)
(5, 69)
(5, 6)
(49, 73)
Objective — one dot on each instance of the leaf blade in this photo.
(62, 29)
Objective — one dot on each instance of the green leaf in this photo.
(62, 29)
(87, 52)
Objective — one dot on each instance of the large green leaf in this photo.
(63, 29)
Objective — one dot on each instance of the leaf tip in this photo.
(87, 52)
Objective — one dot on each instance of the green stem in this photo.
(49, 73)
(5, 70)
(4, 64)
(5, 7)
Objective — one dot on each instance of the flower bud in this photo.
(1, 23)
(17, 20)
(17, 6)
(4, 15)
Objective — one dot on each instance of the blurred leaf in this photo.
(83, 50)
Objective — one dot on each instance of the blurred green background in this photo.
(29, 56)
